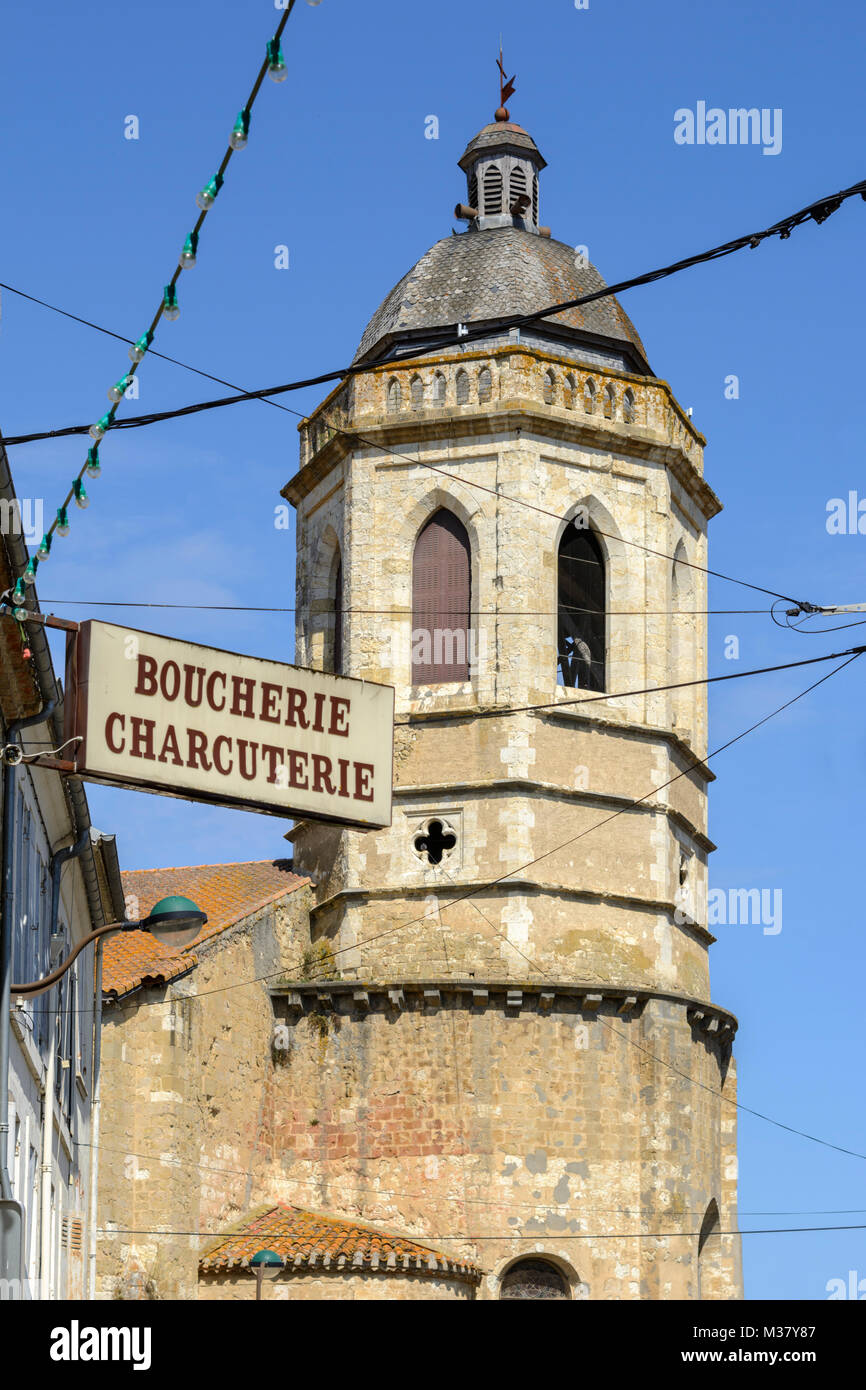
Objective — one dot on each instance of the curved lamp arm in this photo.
(34, 987)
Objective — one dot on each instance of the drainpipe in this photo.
(94, 1114)
(56, 866)
(9, 782)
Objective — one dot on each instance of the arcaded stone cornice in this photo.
(359, 997)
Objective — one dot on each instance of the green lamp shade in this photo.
(175, 921)
(268, 1261)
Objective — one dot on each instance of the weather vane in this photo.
(506, 88)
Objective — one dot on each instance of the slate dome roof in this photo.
(483, 275)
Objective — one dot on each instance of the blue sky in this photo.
(338, 170)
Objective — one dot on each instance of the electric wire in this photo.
(172, 1161)
(109, 420)
(283, 972)
(104, 1233)
(817, 211)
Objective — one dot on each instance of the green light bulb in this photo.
(19, 597)
(44, 548)
(170, 306)
(62, 521)
(30, 570)
(277, 70)
(139, 348)
(189, 252)
(98, 430)
(207, 197)
(115, 392)
(93, 467)
(238, 137)
(78, 492)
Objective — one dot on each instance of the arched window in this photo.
(533, 1279)
(570, 391)
(581, 610)
(395, 395)
(517, 190)
(493, 189)
(485, 385)
(609, 403)
(589, 395)
(462, 387)
(628, 407)
(338, 619)
(549, 388)
(439, 388)
(416, 392)
(441, 595)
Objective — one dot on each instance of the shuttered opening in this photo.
(581, 612)
(441, 602)
(517, 187)
(71, 1234)
(493, 190)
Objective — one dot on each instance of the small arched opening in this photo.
(533, 1278)
(581, 610)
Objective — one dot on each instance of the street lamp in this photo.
(173, 921)
(265, 1264)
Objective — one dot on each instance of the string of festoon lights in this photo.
(274, 67)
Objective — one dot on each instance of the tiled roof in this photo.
(308, 1240)
(484, 275)
(226, 892)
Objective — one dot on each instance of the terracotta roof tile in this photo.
(305, 1240)
(226, 892)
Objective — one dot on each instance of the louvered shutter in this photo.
(441, 602)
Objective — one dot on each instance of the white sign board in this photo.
(172, 717)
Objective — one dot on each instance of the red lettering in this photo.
(109, 731)
(343, 764)
(363, 787)
(211, 681)
(217, 755)
(322, 775)
(189, 672)
(297, 705)
(275, 760)
(172, 669)
(170, 748)
(197, 748)
(141, 745)
(340, 712)
(270, 696)
(244, 697)
(242, 763)
(295, 761)
(146, 676)
(317, 722)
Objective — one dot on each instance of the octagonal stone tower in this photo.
(513, 1050)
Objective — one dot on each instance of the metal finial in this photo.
(506, 88)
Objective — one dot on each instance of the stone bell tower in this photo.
(514, 1051)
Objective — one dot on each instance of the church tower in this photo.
(502, 1040)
